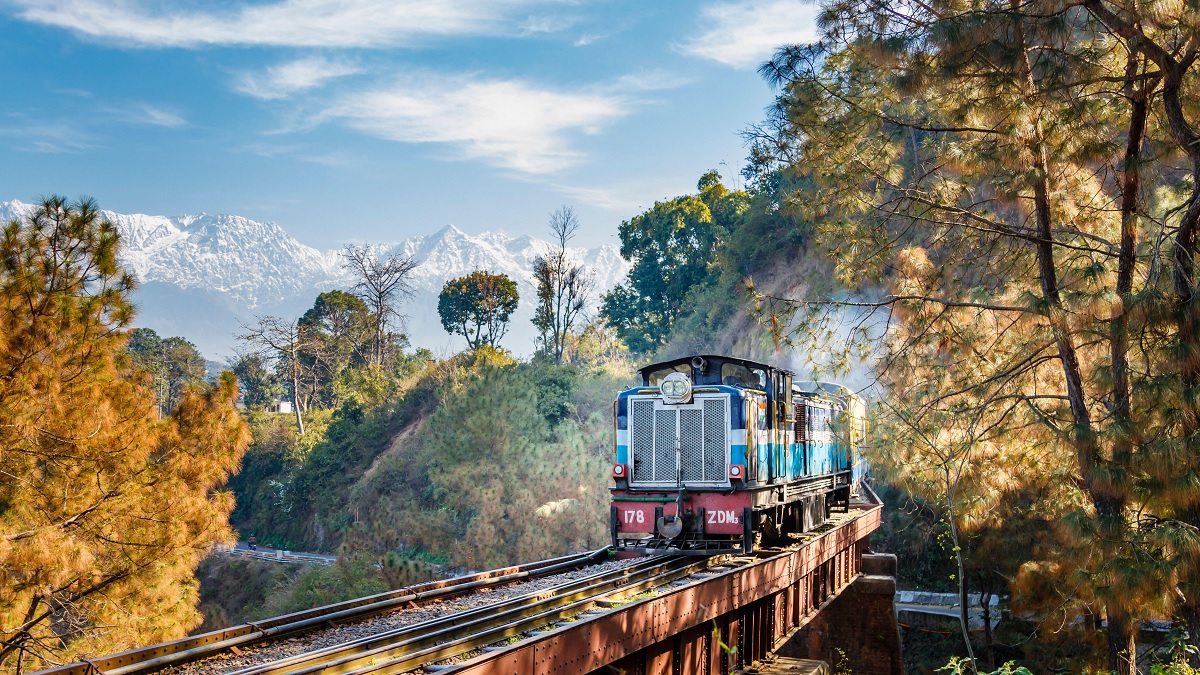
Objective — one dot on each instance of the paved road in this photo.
(266, 552)
(974, 616)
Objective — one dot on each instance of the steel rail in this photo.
(156, 657)
(387, 638)
(462, 640)
(412, 646)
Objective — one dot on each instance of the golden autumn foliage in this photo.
(106, 507)
(1012, 191)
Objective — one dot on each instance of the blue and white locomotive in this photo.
(714, 453)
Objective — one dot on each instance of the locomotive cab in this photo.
(711, 455)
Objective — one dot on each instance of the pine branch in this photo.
(892, 300)
(69, 522)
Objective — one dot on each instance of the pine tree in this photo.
(173, 363)
(105, 508)
(978, 174)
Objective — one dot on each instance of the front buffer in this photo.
(681, 521)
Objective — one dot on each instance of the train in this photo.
(717, 454)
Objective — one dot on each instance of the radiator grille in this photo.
(664, 445)
(701, 430)
(691, 444)
(715, 432)
(641, 426)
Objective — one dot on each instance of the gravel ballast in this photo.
(264, 652)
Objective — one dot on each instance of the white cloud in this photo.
(589, 38)
(296, 23)
(745, 34)
(626, 197)
(648, 80)
(48, 137)
(286, 79)
(508, 123)
(142, 113)
(535, 25)
(159, 117)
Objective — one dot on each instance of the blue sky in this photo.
(376, 120)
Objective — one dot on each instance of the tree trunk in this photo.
(1187, 311)
(985, 600)
(1123, 442)
(1122, 644)
(964, 611)
(1189, 613)
(559, 329)
(961, 578)
(296, 402)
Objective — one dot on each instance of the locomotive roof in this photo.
(643, 371)
(825, 388)
(812, 388)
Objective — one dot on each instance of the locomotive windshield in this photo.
(738, 375)
(655, 378)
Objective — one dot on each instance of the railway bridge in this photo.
(822, 605)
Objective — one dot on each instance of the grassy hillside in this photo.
(473, 461)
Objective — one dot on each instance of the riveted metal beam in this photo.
(747, 604)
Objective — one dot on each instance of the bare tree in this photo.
(281, 341)
(562, 286)
(382, 282)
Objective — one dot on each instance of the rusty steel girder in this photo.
(788, 586)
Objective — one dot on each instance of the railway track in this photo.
(369, 635)
(176, 652)
(441, 644)
(463, 633)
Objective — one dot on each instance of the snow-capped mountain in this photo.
(202, 275)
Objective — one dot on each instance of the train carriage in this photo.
(714, 453)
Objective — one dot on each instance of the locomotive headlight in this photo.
(676, 388)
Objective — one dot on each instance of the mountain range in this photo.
(202, 276)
